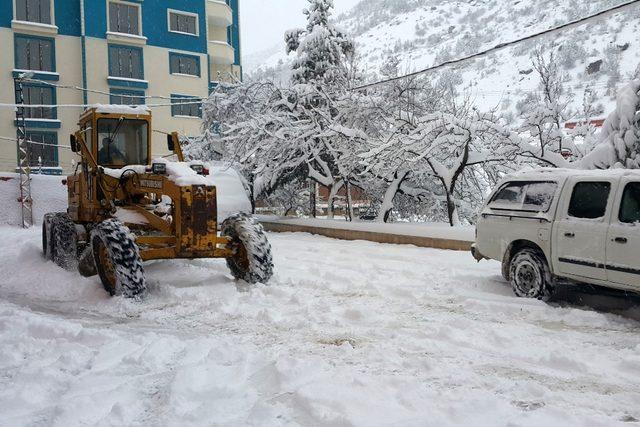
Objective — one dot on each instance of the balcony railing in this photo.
(221, 53)
(219, 13)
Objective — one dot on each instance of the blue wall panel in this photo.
(67, 17)
(234, 30)
(154, 23)
(6, 13)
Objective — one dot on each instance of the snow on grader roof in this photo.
(141, 110)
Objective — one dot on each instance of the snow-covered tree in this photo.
(619, 145)
(322, 51)
(292, 197)
(543, 114)
(443, 147)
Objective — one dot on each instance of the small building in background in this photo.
(122, 52)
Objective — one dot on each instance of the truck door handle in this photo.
(570, 235)
(621, 240)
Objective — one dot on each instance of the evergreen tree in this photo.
(323, 52)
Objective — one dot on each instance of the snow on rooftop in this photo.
(121, 109)
(559, 172)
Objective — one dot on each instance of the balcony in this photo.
(219, 13)
(221, 53)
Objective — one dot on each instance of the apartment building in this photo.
(123, 52)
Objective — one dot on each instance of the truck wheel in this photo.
(47, 242)
(530, 275)
(252, 260)
(117, 259)
(506, 267)
(64, 241)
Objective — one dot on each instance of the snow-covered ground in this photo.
(347, 333)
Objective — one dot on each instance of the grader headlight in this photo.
(159, 168)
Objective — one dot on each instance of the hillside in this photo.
(599, 56)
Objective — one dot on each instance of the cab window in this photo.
(630, 205)
(589, 200)
(525, 196)
(122, 142)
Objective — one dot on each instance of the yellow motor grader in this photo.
(125, 209)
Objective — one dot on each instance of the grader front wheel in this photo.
(117, 259)
(252, 260)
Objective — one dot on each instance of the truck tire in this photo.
(530, 274)
(117, 259)
(64, 241)
(47, 241)
(506, 270)
(252, 260)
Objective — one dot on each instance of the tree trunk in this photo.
(333, 192)
(312, 198)
(349, 203)
(387, 202)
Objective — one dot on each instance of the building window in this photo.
(126, 62)
(184, 64)
(34, 53)
(124, 18)
(127, 97)
(33, 11)
(43, 149)
(39, 95)
(183, 22)
(186, 106)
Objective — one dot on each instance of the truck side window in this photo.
(589, 200)
(630, 205)
(510, 197)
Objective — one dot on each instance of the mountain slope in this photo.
(600, 55)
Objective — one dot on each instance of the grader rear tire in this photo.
(117, 259)
(47, 241)
(64, 240)
(252, 261)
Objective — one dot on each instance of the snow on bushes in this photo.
(620, 138)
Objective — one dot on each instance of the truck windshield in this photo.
(122, 142)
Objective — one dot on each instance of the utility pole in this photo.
(26, 202)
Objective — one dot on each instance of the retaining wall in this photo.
(347, 234)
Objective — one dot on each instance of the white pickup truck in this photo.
(554, 225)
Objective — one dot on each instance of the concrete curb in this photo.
(342, 234)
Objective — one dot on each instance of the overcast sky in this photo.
(263, 22)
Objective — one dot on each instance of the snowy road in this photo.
(348, 333)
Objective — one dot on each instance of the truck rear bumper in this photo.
(476, 253)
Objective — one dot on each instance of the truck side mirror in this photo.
(73, 142)
(170, 145)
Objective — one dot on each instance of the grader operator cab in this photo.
(124, 208)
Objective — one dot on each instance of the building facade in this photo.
(154, 52)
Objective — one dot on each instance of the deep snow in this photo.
(347, 333)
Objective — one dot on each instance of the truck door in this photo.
(623, 242)
(581, 228)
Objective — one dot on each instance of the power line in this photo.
(173, 104)
(502, 45)
(82, 89)
(13, 140)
